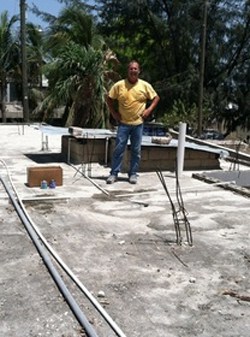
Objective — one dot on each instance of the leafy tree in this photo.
(7, 51)
(165, 36)
(180, 113)
(77, 84)
(79, 69)
(36, 54)
(228, 61)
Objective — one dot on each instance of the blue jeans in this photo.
(124, 132)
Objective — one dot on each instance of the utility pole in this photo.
(202, 67)
(24, 62)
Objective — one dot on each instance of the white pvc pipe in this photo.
(106, 151)
(181, 148)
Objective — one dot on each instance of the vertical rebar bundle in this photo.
(178, 211)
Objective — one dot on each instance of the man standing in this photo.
(132, 95)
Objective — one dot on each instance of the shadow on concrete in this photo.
(46, 158)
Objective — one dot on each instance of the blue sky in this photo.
(48, 6)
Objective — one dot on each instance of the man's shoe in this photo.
(111, 179)
(133, 179)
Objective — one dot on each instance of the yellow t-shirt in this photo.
(132, 99)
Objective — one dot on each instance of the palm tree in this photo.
(36, 59)
(78, 81)
(36, 54)
(7, 46)
(79, 70)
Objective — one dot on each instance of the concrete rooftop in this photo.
(119, 241)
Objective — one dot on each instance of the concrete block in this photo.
(36, 174)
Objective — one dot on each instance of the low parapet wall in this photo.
(84, 150)
(153, 156)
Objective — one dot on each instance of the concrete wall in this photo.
(79, 151)
(153, 157)
(164, 158)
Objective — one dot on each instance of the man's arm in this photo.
(116, 115)
(152, 106)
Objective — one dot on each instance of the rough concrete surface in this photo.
(119, 241)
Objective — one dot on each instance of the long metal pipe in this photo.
(91, 298)
(54, 273)
(90, 180)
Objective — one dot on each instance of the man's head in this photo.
(133, 71)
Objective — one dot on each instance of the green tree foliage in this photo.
(37, 55)
(76, 81)
(8, 49)
(165, 36)
(78, 70)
